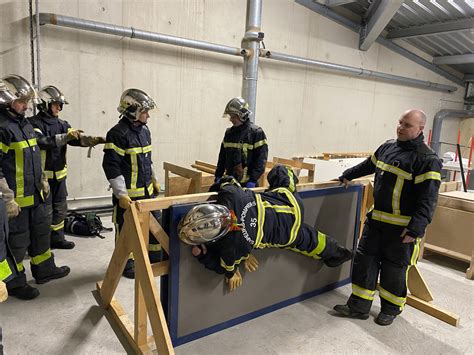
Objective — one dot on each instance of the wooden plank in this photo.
(203, 168)
(177, 186)
(181, 171)
(161, 268)
(141, 320)
(203, 163)
(417, 285)
(433, 310)
(447, 252)
(148, 285)
(293, 163)
(160, 235)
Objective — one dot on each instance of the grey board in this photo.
(197, 301)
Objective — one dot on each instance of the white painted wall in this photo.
(302, 111)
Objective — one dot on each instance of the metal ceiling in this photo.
(443, 29)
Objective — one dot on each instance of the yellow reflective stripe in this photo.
(43, 159)
(311, 254)
(373, 159)
(25, 201)
(112, 146)
(236, 262)
(20, 266)
(260, 220)
(260, 143)
(296, 208)
(23, 144)
(416, 252)
(154, 247)
(397, 191)
(390, 297)
(37, 130)
(49, 174)
(390, 218)
(245, 146)
(321, 244)
(134, 168)
(363, 292)
(433, 175)
(5, 270)
(138, 150)
(61, 173)
(38, 259)
(4, 147)
(139, 192)
(394, 170)
(292, 181)
(69, 129)
(150, 189)
(56, 227)
(19, 176)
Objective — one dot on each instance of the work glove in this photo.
(251, 264)
(45, 185)
(250, 184)
(125, 201)
(343, 181)
(3, 292)
(73, 134)
(235, 281)
(90, 141)
(156, 188)
(13, 209)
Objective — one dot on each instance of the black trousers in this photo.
(8, 270)
(381, 252)
(57, 204)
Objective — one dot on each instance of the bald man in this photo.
(407, 179)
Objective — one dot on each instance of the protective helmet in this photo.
(239, 107)
(133, 102)
(205, 223)
(21, 88)
(5, 96)
(49, 95)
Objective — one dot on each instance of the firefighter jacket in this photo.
(407, 179)
(7, 271)
(243, 153)
(20, 157)
(269, 219)
(127, 152)
(54, 160)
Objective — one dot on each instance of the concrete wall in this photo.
(302, 111)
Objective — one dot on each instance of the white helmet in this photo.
(205, 223)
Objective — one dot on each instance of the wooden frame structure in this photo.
(134, 238)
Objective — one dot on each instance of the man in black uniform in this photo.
(24, 192)
(128, 165)
(48, 123)
(244, 150)
(407, 179)
(224, 234)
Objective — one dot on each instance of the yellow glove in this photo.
(73, 134)
(13, 209)
(235, 281)
(156, 188)
(3, 292)
(125, 201)
(251, 264)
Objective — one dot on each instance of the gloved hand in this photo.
(235, 281)
(89, 141)
(125, 201)
(3, 292)
(13, 209)
(251, 264)
(250, 184)
(73, 134)
(45, 185)
(156, 188)
(343, 181)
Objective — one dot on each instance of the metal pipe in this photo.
(251, 42)
(32, 49)
(131, 32)
(38, 61)
(357, 72)
(438, 123)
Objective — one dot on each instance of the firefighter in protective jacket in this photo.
(407, 179)
(48, 123)
(244, 150)
(128, 165)
(25, 191)
(224, 234)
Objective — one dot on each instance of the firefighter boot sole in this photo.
(385, 319)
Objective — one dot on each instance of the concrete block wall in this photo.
(303, 111)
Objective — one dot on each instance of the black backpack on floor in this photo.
(86, 224)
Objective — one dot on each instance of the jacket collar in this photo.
(47, 117)
(411, 144)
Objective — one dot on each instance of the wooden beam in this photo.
(433, 310)
(161, 268)
(203, 163)
(417, 285)
(159, 234)
(204, 168)
(141, 320)
(181, 171)
(447, 252)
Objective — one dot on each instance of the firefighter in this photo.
(128, 165)
(48, 123)
(24, 191)
(407, 179)
(224, 234)
(244, 150)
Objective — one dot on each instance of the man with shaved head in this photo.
(407, 179)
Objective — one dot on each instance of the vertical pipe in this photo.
(251, 42)
(456, 155)
(469, 163)
(38, 64)
(461, 168)
(32, 49)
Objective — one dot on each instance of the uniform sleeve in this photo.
(4, 145)
(44, 142)
(260, 156)
(232, 253)
(211, 260)
(74, 142)
(367, 167)
(427, 182)
(220, 170)
(114, 152)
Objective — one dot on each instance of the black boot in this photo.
(129, 271)
(47, 271)
(342, 255)
(385, 319)
(25, 292)
(344, 310)
(62, 244)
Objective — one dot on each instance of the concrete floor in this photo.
(65, 319)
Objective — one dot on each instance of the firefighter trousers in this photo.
(381, 252)
(8, 271)
(57, 204)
